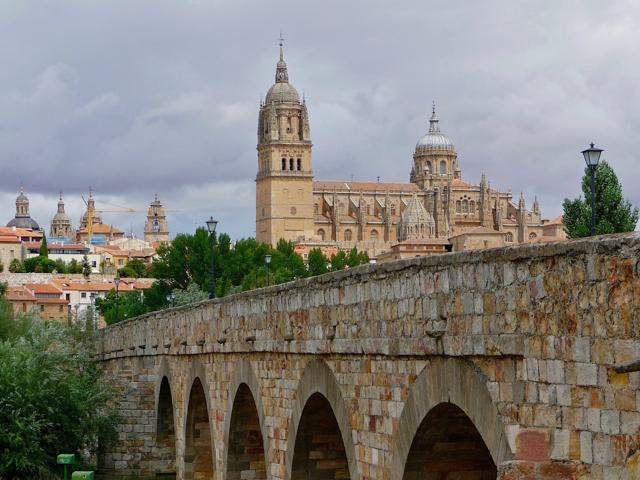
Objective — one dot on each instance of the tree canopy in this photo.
(53, 397)
(614, 213)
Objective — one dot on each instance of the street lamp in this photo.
(211, 226)
(267, 260)
(117, 281)
(592, 158)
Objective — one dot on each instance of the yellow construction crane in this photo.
(91, 210)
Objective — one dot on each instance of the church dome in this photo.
(434, 139)
(24, 222)
(282, 92)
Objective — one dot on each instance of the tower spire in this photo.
(433, 121)
(282, 75)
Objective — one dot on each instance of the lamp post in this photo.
(267, 260)
(592, 158)
(117, 281)
(211, 227)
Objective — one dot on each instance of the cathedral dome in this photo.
(434, 139)
(282, 92)
(23, 218)
(24, 222)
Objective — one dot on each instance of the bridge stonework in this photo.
(470, 366)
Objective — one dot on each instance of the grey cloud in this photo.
(134, 98)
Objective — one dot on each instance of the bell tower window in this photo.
(284, 164)
(299, 165)
(443, 167)
(291, 164)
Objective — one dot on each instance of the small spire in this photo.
(21, 188)
(433, 121)
(281, 43)
(60, 195)
(282, 75)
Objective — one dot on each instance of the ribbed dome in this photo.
(61, 217)
(24, 222)
(282, 92)
(434, 139)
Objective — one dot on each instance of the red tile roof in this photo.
(43, 288)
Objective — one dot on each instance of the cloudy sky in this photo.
(137, 97)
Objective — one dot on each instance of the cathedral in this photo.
(436, 211)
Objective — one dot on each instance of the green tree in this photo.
(16, 266)
(74, 266)
(614, 213)
(86, 267)
(61, 267)
(126, 272)
(338, 261)
(53, 396)
(39, 264)
(317, 262)
(355, 258)
(137, 267)
(44, 248)
(129, 305)
(191, 294)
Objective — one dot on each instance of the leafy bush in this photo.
(53, 398)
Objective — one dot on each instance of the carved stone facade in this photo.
(368, 215)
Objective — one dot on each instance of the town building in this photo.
(423, 216)
(44, 300)
(23, 218)
(156, 228)
(66, 252)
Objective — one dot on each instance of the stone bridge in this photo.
(513, 363)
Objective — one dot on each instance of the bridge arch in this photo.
(319, 390)
(199, 450)
(450, 386)
(165, 438)
(244, 426)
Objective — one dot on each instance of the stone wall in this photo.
(513, 346)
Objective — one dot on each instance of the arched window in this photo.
(321, 234)
(374, 235)
(458, 206)
(472, 207)
(532, 235)
(291, 164)
(284, 164)
(443, 167)
(347, 235)
(427, 167)
(508, 237)
(465, 206)
(299, 164)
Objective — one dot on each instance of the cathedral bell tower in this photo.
(284, 183)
